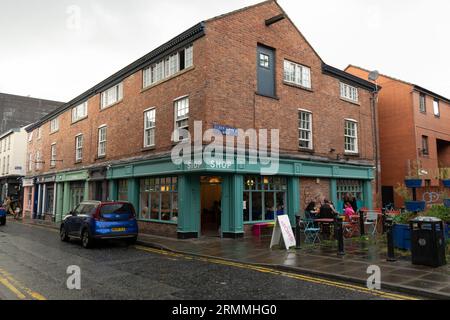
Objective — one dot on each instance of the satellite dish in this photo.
(374, 75)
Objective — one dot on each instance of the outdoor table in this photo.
(325, 221)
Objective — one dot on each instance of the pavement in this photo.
(34, 262)
(317, 260)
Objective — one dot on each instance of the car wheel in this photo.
(86, 239)
(63, 234)
(131, 241)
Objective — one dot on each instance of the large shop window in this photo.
(77, 193)
(264, 198)
(159, 199)
(352, 187)
(122, 190)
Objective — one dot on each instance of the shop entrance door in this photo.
(211, 213)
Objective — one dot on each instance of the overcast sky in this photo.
(57, 49)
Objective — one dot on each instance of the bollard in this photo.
(383, 220)
(340, 235)
(390, 240)
(297, 231)
(361, 223)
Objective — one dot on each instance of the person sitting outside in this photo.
(348, 212)
(311, 211)
(327, 210)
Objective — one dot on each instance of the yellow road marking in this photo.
(17, 288)
(310, 279)
(11, 288)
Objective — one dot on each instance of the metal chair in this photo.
(371, 219)
(311, 231)
(350, 226)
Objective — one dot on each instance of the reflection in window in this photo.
(264, 198)
(159, 199)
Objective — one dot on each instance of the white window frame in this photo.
(53, 155)
(182, 118)
(79, 147)
(30, 136)
(167, 67)
(80, 112)
(422, 103)
(9, 143)
(54, 125)
(310, 130)
(39, 133)
(297, 74)
(355, 137)
(436, 108)
(38, 161)
(148, 128)
(101, 147)
(111, 96)
(349, 92)
(189, 56)
(30, 162)
(7, 164)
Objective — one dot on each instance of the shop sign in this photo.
(282, 233)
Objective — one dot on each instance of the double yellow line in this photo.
(19, 290)
(341, 285)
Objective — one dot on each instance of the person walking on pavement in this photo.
(7, 206)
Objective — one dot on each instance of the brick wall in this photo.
(312, 189)
(221, 88)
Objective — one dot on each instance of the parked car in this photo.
(94, 220)
(2, 216)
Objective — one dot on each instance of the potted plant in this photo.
(413, 179)
(445, 198)
(445, 176)
(412, 206)
(443, 213)
(401, 230)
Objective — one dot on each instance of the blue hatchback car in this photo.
(95, 220)
(2, 216)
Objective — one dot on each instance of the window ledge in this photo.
(52, 133)
(79, 161)
(100, 157)
(167, 79)
(290, 84)
(79, 120)
(110, 106)
(159, 221)
(266, 96)
(306, 150)
(145, 149)
(351, 101)
(351, 154)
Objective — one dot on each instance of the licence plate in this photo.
(118, 229)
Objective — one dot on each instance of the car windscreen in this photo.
(117, 209)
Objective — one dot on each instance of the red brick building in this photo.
(251, 68)
(414, 130)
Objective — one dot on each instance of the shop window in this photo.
(159, 199)
(123, 190)
(29, 197)
(353, 187)
(77, 192)
(264, 198)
